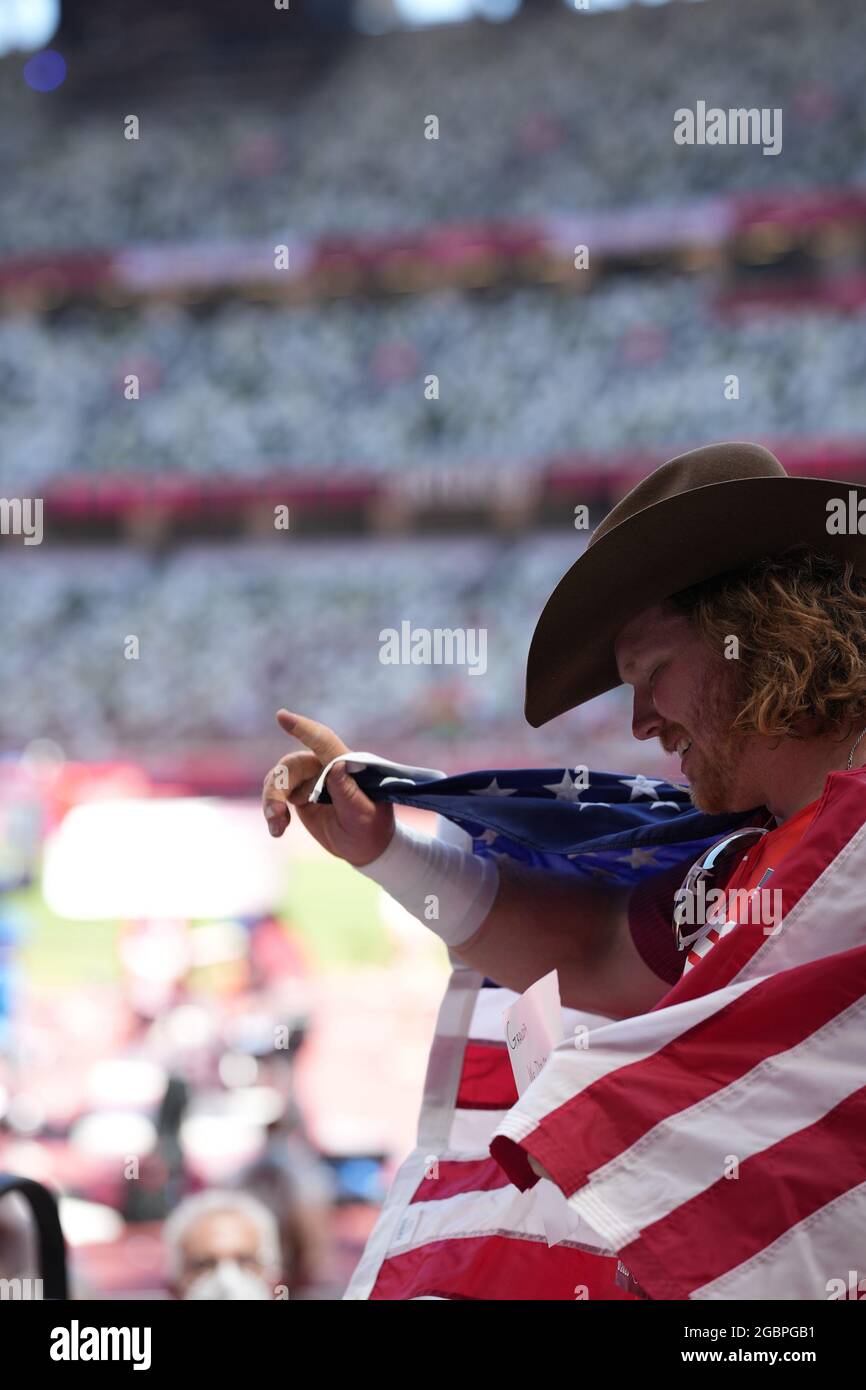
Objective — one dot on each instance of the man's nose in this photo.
(646, 720)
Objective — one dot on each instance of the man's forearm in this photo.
(542, 921)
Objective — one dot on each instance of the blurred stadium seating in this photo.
(252, 390)
(408, 258)
(572, 385)
(227, 637)
(550, 112)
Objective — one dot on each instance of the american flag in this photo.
(718, 1143)
(454, 1225)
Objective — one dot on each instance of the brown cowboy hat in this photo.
(703, 513)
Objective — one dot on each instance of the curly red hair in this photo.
(800, 620)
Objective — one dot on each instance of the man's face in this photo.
(215, 1240)
(685, 693)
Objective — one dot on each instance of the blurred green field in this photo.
(330, 908)
(334, 911)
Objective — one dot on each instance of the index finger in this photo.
(317, 737)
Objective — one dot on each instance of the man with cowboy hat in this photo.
(613, 617)
(719, 590)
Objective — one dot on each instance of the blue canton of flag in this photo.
(605, 825)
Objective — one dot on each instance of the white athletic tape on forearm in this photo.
(450, 890)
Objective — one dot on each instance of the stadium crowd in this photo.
(251, 390)
(535, 117)
(228, 635)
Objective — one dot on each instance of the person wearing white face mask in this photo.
(222, 1246)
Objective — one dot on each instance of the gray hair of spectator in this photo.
(191, 1209)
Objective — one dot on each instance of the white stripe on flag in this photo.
(571, 1069)
(409, 1175)
(472, 1131)
(502, 1211)
(800, 1263)
(444, 1067)
(445, 1062)
(781, 1095)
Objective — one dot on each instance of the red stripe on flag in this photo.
(736, 1218)
(838, 816)
(613, 1113)
(486, 1081)
(498, 1267)
(451, 1177)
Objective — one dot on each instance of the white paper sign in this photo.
(533, 1027)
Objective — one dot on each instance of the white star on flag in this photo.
(566, 790)
(493, 789)
(638, 857)
(656, 804)
(642, 786)
(488, 837)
